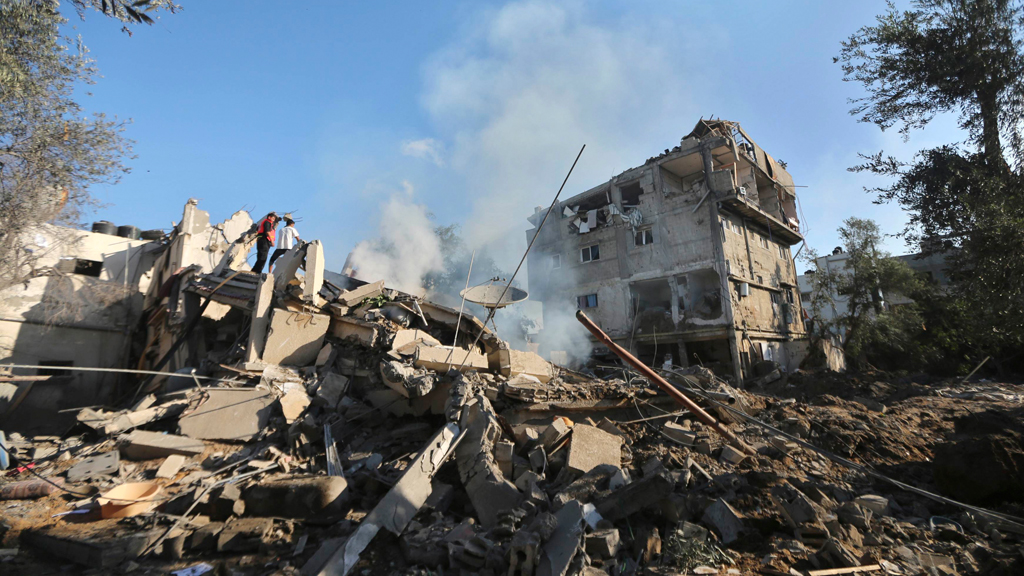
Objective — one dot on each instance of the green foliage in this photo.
(376, 302)
(943, 56)
(870, 277)
(50, 151)
(966, 199)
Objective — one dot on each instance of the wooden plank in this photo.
(853, 570)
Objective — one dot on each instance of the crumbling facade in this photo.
(686, 258)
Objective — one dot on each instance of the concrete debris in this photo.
(326, 410)
(591, 447)
(228, 414)
(564, 543)
(295, 338)
(724, 519)
(441, 358)
(483, 480)
(144, 445)
(170, 466)
(298, 497)
(94, 467)
(293, 405)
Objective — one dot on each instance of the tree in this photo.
(960, 57)
(867, 283)
(50, 153)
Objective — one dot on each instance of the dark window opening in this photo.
(644, 237)
(590, 253)
(586, 301)
(55, 370)
(631, 195)
(789, 296)
(88, 267)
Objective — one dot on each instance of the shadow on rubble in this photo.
(983, 461)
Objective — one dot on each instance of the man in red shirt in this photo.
(264, 240)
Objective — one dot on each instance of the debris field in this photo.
(362, 430)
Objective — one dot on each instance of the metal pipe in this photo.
(663, 384)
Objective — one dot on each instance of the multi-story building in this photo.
(685, 258)
(932, 267)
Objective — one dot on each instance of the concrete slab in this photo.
(171, 466)
(679, 434)
(439, 358)
(357, 295)
(295, 337)
(332, 388)
(229, 414)
(145, 445)
(94, 466)
(348, 328)
(324, 355)
(260, 319)
(519, 362)
(314, 279)
(591, 447)
(564, 543)
(724, 519)
(404, 338)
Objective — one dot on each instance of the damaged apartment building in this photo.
(685, 259)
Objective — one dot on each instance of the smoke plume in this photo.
(405, 249)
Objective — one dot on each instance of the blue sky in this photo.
(470, 111)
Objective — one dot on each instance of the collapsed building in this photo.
(686, 258)
(304, 422)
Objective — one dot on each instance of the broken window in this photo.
(652, 306)
(53, 367)
(783, 252)
(762, 241)
(789, 295)
(700, 294)
(776, 299)
(88, 267)
(643, 237)
(586, 301)
(631, 195)
(556, 261)
(590, 253)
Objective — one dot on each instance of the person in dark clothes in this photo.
(264, 240)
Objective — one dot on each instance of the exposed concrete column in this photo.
(260, 318)
(314, 279)
(616, 195)
(717, 233)
(674, 288)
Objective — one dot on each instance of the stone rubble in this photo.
(459, 460)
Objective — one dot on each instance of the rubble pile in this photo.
(355, 429)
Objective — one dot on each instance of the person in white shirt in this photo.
(286, 239)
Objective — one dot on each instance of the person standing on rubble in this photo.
(286, 241)
(264, 240)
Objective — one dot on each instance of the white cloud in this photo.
(427, 148)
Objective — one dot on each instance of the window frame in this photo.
(589, 250)
(585, 299)
(647, 232)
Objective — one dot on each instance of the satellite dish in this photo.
(488, 295)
